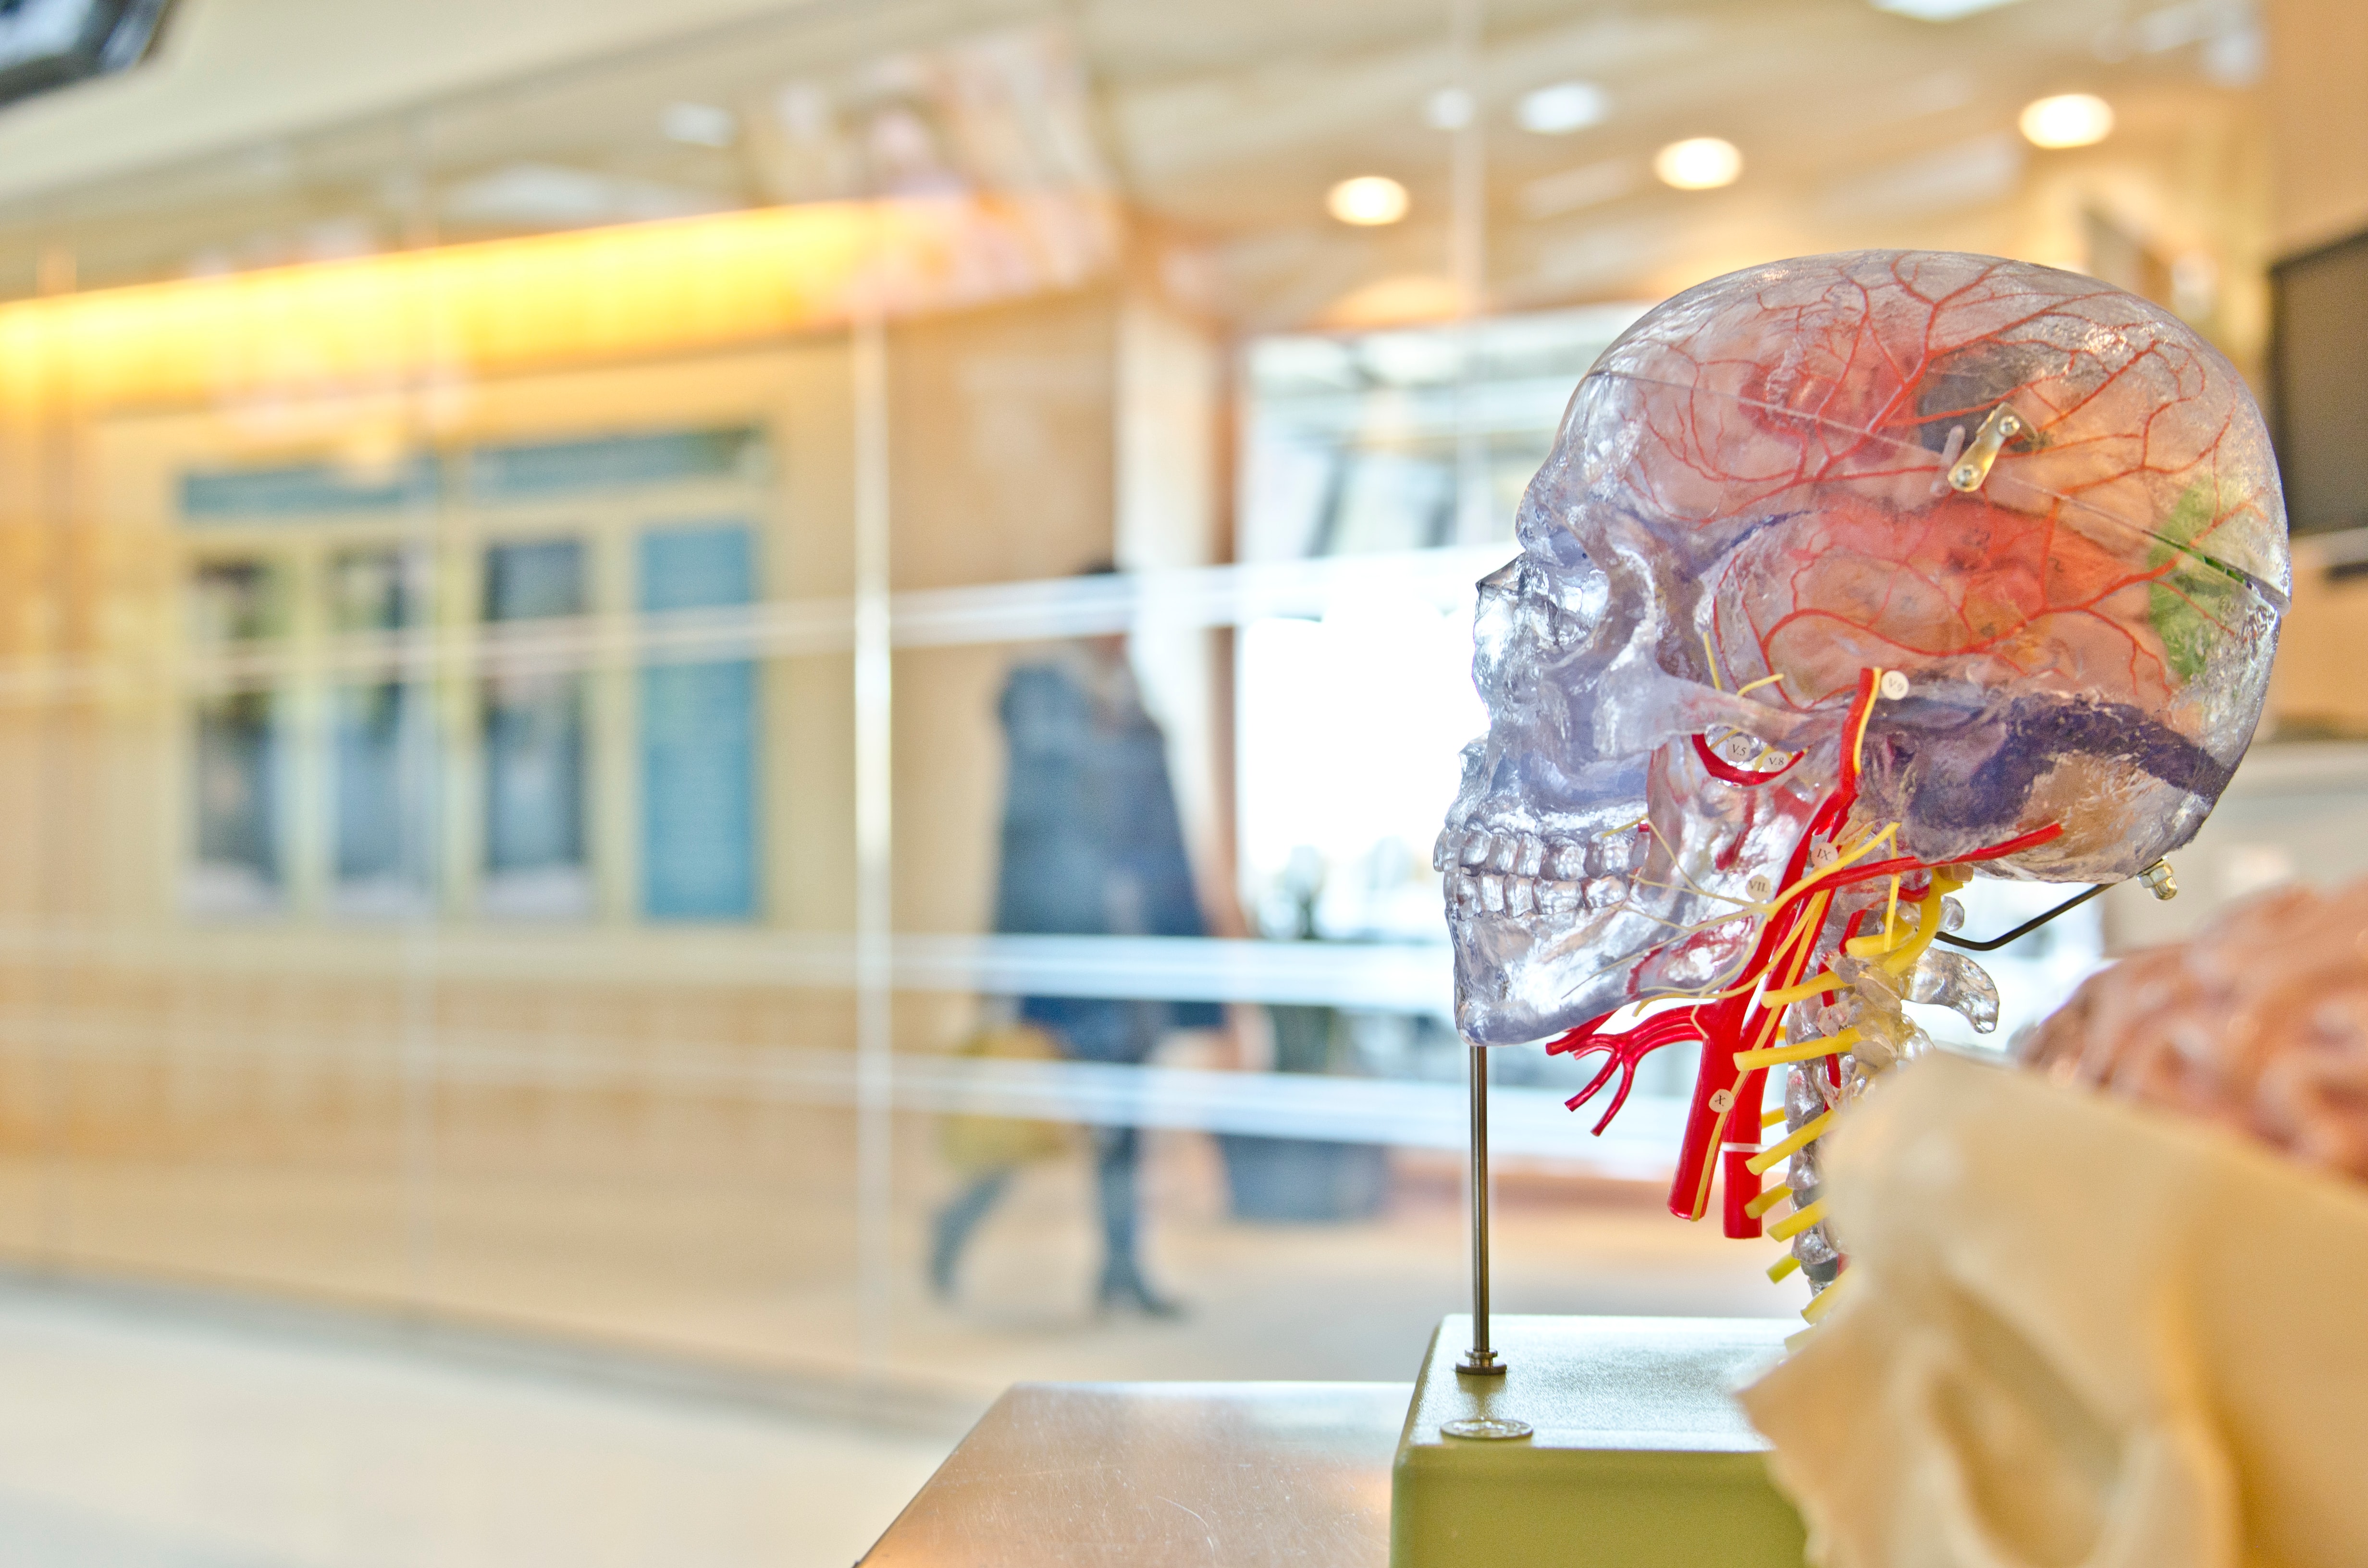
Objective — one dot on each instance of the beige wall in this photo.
(2317, 99)
(1000, 439)
(2315, 688)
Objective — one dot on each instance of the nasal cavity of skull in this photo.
(2039, 1468)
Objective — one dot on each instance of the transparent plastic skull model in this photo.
(1846, 575)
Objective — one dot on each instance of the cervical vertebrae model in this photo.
(1848, 578)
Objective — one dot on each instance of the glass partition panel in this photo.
(786, 699)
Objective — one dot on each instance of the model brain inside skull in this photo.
(1848, 576)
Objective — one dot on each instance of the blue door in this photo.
(699, 737)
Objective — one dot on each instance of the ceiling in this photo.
(1222, 124)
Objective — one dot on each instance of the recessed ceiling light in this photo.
(1367, 200)
(1938, 10)
(1450, 108)
(2068, 120)
(1698, 163)
(1562, 109)
(700, 125)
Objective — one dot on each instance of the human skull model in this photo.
(1846, 575)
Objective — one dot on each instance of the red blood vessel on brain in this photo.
(1848, 578)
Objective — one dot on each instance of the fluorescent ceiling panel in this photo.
(1938, 10)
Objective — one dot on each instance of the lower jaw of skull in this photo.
(1523, 978)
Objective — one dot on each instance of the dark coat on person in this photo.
(1092, 846)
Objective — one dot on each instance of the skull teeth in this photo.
(1526, 853)
(1529, 855)
(1513, 895)
(1611, 853)
(1515, 872)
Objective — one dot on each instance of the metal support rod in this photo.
(1480, 1361)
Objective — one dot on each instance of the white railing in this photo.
(1172, 598)
(1523, 1122)
(1390, 977)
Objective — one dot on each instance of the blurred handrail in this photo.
(1408, 1114)
(1169, 598)
(1404, 977)
(1523, 1122)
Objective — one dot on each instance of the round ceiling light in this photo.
(1562, 109)
(2068, 120)
(1698, 163)
(1367, 200)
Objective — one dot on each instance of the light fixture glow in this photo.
(1367, 200)
(1449, 109)
(1938, 10)
(1562, 109)
(699, 125)
(1698, 163)
(634, 290)
(2068, 120)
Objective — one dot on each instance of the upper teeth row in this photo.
(1529, 855)
(1519, 895)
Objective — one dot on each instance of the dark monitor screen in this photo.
(46, 44)
(2318, 383)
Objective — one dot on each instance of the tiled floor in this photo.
(762, 1272)
(134, 1436)
(1352, 1302)
(143, 1427)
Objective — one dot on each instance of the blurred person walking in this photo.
(1091, 846)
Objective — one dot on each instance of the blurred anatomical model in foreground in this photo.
(1849, 577)
(2260, 1027)
(2107, 1312)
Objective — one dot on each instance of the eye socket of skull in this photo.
(1755, 483)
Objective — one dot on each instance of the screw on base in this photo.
(1479, 1363)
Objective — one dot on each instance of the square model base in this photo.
(1640, 1457)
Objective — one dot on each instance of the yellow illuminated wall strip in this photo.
(509, 305)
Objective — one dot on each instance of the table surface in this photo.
(1162, 1475)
